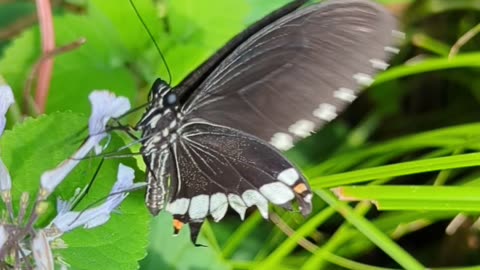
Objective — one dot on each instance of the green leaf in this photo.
(196, 37)
(41, 144)
(18, 59)
(99, 64)
(121, 20)
(177, 252)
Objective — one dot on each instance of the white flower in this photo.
(105, 105)
(42, 253)
(3, 235)
(6, 99)
(5, 180)
(93, 217)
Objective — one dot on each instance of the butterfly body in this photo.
(215, 141)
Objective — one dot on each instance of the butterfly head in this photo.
(162, 108)
(161, 95)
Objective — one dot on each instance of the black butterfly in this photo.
(215, 140)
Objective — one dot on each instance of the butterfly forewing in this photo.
(297, 73)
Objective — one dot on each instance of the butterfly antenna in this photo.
(153, 39)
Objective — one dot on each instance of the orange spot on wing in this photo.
(300, 188)
(177, 225)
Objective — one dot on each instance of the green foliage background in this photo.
(408, 143)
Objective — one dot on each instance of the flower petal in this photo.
(3, 235)
(124, 182)
(99, 215)
(5, 179)
(105, 105)
(42, 253)
(6, 99)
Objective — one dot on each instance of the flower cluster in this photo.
(22, 245)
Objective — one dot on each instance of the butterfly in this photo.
(215, 141)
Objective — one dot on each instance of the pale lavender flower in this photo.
(6, 99)
(68, 220)
(5, 180)
(105, 105)
(3, 235)
(42, 253)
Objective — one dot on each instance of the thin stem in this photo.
(44, 13)
(463, 40)
(37, 69)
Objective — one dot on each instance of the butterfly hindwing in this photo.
(220, 167)
(299, 72)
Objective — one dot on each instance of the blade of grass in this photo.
(433, 198)
(240, 234)
(425, 42)
(371, 232)
(290, 243)
(471, 60)
(343, 234)
(405, 168)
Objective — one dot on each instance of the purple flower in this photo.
(67, 220)
(105, 105)
(6, 99)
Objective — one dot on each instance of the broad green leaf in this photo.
(17, 61)
(99, 64)
(200, 36)
(177, 252)
(121, 18)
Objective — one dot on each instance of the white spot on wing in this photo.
(253, 197)
(308, 198)
(288, 176)
(363, 29)
(363, 79)
(237, 204)
(391, 49)
(178, 207)
(302, 128)
(345, 94)
(165, 132)
(325, 111)
(282, 141)
(277, 192)
(199, 207)
(218, 206)
(379, 64)
(398, 34)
